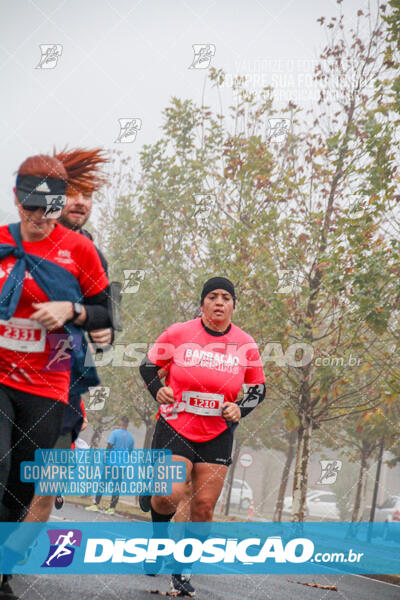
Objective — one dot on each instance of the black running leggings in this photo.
(27, 423)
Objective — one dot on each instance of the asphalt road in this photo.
(210, 587)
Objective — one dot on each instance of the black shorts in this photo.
(216, 451)
(27, 423)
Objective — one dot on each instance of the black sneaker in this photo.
(58, 502)
(145, 503)
(6, 592)
(181, 585)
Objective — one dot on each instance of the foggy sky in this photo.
(127, 58)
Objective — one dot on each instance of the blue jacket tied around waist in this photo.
(59, 285)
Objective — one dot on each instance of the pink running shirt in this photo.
(197, 361)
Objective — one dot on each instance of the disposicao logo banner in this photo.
(248, 548)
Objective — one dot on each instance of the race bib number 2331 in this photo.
(22, 335)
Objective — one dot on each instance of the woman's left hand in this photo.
(231, 412)
(52, 315)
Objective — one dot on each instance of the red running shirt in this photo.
(197, 361)
(24, 344)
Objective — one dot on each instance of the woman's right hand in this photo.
(165, 395)
(52, 315)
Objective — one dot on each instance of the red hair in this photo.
(83, 168)
(44, 166)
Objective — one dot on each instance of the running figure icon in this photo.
(63, 346)
(62, 549)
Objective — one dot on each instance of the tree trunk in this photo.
(150, 426)
(358, 500)
(377, 479)
(231, 472)
(285, 476)
(301, 469)
(96, 436)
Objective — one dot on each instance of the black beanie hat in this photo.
(218, 283)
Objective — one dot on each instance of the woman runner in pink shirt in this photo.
(208, 360)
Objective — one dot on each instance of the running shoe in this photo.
(110, 511)
(145, 503)
(181, 585)
(93, 508)
(58, 502)
(6, 592)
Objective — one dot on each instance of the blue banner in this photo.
(105, 472)
(248, 548)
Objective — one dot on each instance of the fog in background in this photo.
(126, 59)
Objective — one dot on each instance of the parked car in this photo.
(241, 494)
(319, 505)
(386, 512)
(288, 501)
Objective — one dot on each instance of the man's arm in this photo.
(111, 441)
(102, 337)
(97, 316)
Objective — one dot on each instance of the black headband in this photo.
(218, 283)
(34, 191)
